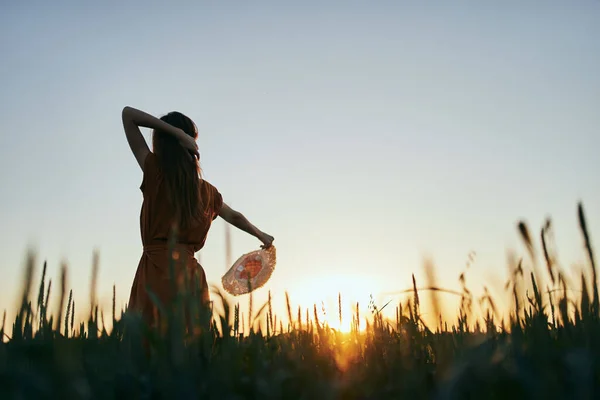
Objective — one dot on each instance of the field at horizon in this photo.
(338, 311)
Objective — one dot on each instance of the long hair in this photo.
(181, 176)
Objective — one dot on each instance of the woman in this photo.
(177, 201)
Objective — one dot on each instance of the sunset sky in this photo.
(362, 135)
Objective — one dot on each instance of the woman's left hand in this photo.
(267, 240)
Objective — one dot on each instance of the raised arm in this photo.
(238, 220)
(133, 119)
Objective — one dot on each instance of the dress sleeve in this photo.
(150, 172)
(215, 198)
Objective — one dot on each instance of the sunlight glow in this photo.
(324, 292)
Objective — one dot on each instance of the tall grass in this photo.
(545, 347)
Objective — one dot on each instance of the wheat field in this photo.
(546, 347)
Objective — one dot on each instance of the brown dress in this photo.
(155, 225)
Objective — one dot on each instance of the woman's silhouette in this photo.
(176, 201)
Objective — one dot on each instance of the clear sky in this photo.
(361, 135)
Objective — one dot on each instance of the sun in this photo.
(336, 298)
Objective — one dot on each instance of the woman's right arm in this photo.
(238, 220)
(133, 119)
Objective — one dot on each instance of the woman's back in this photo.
(157, 216)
